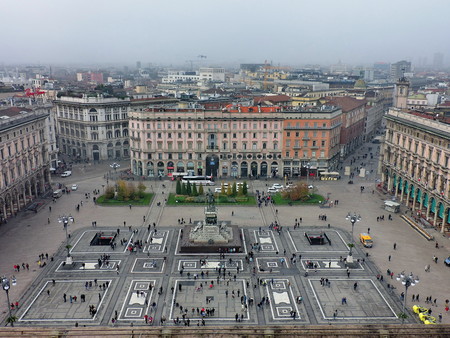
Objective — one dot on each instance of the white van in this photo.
(57, 193)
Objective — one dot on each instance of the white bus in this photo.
(203, 180)
(175, 176)
(329, 176)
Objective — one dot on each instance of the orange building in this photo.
(311, 140)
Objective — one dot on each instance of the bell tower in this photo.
(401, 93)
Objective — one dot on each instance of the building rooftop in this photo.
(346, 103)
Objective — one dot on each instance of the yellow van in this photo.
(366, 240)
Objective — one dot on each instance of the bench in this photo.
(418, 228)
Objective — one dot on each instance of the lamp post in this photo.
(353, 218)
(307, 166)
(65, 220)
(6, 286)
(407, 281)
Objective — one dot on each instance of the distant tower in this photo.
(401, 93)
(138, 64)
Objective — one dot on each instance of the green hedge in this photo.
(112, 202)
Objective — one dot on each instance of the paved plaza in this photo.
(280, 278)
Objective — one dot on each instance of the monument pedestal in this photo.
(350, 262)
(210, 236)
(69, 260)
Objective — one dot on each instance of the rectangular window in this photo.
(148, 135)
(288, 134)
(244, 126)
(179, 135)
(288, 143)
(159, 135)
(180, 156)
(275, 135)
(234, 135)
(189, 135)
(224, 135)
(287, 153)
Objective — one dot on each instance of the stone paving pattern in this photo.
(27, 236)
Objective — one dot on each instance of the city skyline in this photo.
(178, 32)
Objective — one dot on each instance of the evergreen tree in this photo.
(234, 189)
(189, 189)
(183, 189)
(244, 188)
(240, 193)
(200, 190)
(229, 191)
(178, 188)
(194, 190)
(223, 190)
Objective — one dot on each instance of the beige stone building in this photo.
(415, 165)
(236, 141)
(25, 164)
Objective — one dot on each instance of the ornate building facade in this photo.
(235, 141)
(25, 164)
(415, 165)
(96, 128)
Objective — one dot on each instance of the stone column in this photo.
(4, 209)
(407, 197)
(435, 217)
(444, 219)
(428, 208)
(389, 183)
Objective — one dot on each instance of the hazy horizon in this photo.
(227, 32)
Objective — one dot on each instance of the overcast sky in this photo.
(290, 32)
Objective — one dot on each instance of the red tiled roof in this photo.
(346, 103)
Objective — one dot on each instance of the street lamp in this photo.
(307, 166)
(353, 218)
(6, 285)
(65, 220)
(407, 281)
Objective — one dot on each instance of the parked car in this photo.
(74, 187)
(310, 186)
(115, 165)
(272, 190)
(218, 190)
(277, 186)
(66, 173)
(447, 261)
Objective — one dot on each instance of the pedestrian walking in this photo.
(395, 246)
(389, 258)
